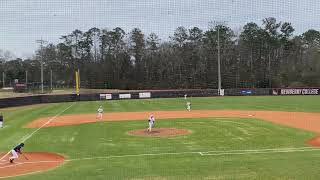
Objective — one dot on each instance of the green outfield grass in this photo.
(225, 144)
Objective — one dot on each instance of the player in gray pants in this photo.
(150, 122)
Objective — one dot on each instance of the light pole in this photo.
(219, 69)
(51, 79)
(41, 42)
(26, 78)
(217, 25)
(270, 77)
(3, 79)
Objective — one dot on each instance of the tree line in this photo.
(260, 56)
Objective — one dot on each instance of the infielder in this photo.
(150, 122)
(100, 113)
(15, 152)
(189, 106)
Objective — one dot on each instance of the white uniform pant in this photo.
(100, 115)
(150, 125)
(14, 154)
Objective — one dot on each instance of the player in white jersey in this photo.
(150, 122)
(15, 152)
(188, 106)
(100, 113)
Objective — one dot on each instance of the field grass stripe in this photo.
(208, 153)
(275, 150)
(131, 155)
(261, 152)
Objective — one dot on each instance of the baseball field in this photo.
(221, 138)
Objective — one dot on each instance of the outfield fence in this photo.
(143, 94)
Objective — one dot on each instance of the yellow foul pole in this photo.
(77, 82)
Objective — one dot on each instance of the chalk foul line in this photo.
(207, 153)
(31, 134)
(48, 122)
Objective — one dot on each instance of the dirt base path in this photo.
(37, 162)
(300, 120)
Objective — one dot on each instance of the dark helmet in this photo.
(22, 144)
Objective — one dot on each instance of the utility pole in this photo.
(26, 78)
(270, 77)
(3, 79)
(219, 70)
(51, 79)
(217, 25)
(41, 42)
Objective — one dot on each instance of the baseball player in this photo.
(188, 106)
(100, 113)
(15, 152)
(150, 122)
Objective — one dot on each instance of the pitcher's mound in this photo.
(314, 141)
(37, 162)
(159, 132)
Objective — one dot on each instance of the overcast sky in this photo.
(22, 22)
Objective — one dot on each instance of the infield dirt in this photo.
(37, 162)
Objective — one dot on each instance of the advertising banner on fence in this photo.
(299, 91)
(124, 96)
(145, 95)
(246, 92)
(106, 96)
